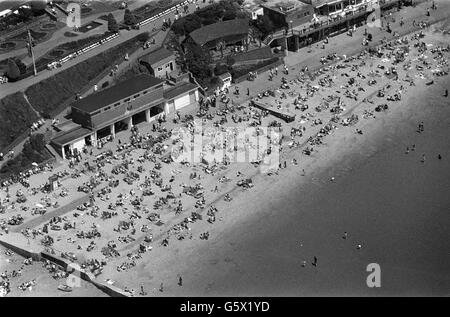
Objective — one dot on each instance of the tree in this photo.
(209, 20)
(197, 61)
(112, 24)
(191, 24)
(13, 71)
(229, 15)
(264, 24)
(26, 13)
(129, 18)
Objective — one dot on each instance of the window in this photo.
(107, 108)
(160, 69)
(126, 100)
(116, 104)
(145, 92)
(135, 96)
(96, 112)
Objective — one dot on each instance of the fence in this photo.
(165, 12)
(262, 69)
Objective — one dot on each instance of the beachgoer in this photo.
(161, 287)
(180, 281)
(345, 236)
(314, 261)
(439, 156)
(423, 158)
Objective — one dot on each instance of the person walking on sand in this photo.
(161, 287)
(446, 93)
(315, 261)
(180, 281)
(439, 157)
(423, 158)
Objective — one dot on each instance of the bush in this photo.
(229, 15)
(21, 65)
(129, 18)
(220, 69)
(13, 71)
(143, 37)
(209, 20)
(264, 25)
(230, 61)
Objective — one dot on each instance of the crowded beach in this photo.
(112, 206)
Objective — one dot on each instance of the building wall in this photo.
(121, 111)
(298, 17)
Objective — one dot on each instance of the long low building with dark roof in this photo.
(133, 101)
(231, 32)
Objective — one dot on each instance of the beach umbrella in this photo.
(34, 164)
(39, 205)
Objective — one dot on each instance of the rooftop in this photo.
(219, 30)
(177, 90)
(285, 6)
(157, 55)
(115, 93)
(67, 137)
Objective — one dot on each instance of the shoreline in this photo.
(225, 251)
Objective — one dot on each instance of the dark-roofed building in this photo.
(160, 62)
(231, 32)
(103, 114)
